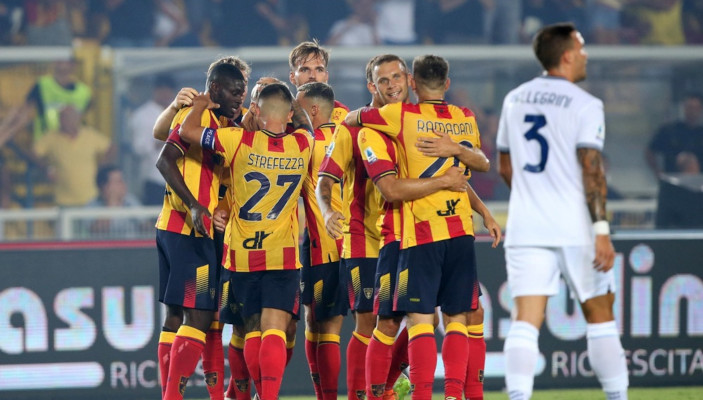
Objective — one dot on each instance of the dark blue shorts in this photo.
(229, 309)
(321, 290)
(254, 291)
(386, 273)
(360, 274)
(188, 271)
(438, 274)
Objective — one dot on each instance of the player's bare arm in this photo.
(409, 189)
(166, 164)
(488, 221)
(505, 169)
(184, 98)
(444, 146)
(595, 188)
(352, 119)
(333, 218)
(191, 131)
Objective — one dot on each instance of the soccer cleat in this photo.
(402, 387)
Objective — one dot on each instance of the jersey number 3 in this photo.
(291, 180)
(538, 121)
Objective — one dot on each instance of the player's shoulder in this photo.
(325, 131)
(182, 113)
(345, 129)
(372, 134)
(339, 104)
(461, 110)
(303, 137)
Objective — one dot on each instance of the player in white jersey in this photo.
(550, 140)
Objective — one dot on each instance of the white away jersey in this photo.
(542, 124)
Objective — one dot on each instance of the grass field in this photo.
(677, 393)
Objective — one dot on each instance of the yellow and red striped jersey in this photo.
(380, 159)
(339, 112)
(343, 163)
(323, 249)
(201, 173)
(443, 214)
(262, 233)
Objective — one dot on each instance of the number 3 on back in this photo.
(537, 121)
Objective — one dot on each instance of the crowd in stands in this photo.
(177, 23)
(67, 154)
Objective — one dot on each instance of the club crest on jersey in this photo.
(368, 292)
(330, 148)
(370, 155)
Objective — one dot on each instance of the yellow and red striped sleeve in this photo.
(323, 248)
(360, 208)
(201, 173)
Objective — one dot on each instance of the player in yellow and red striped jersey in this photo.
(213, 360)
(187, 261)
(323, 294)
(262, 233)
(387, 79)
(437, 261)
(360, 241)
(308, 63)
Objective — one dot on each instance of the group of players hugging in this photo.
(388, 231)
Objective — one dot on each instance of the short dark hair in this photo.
(234, 60)
(430, 71)
(224, 71)
(318, 90)
(276, 90)
(305, 50)
(382, 59)
(551, 42)
(104, 174)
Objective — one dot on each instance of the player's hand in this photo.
(250, 122)
(440, 146)
(494, 229)
(455, 180)
(605, 253)
(184, 98)
(201, 219)
(333, 223)
(204, 99)
(220, 220)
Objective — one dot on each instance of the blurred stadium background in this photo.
(78, 313)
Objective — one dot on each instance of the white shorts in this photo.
(535, 271)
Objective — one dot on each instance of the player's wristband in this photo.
(601, 228)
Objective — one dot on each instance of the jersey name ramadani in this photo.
(284, 163)
(451, 128)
